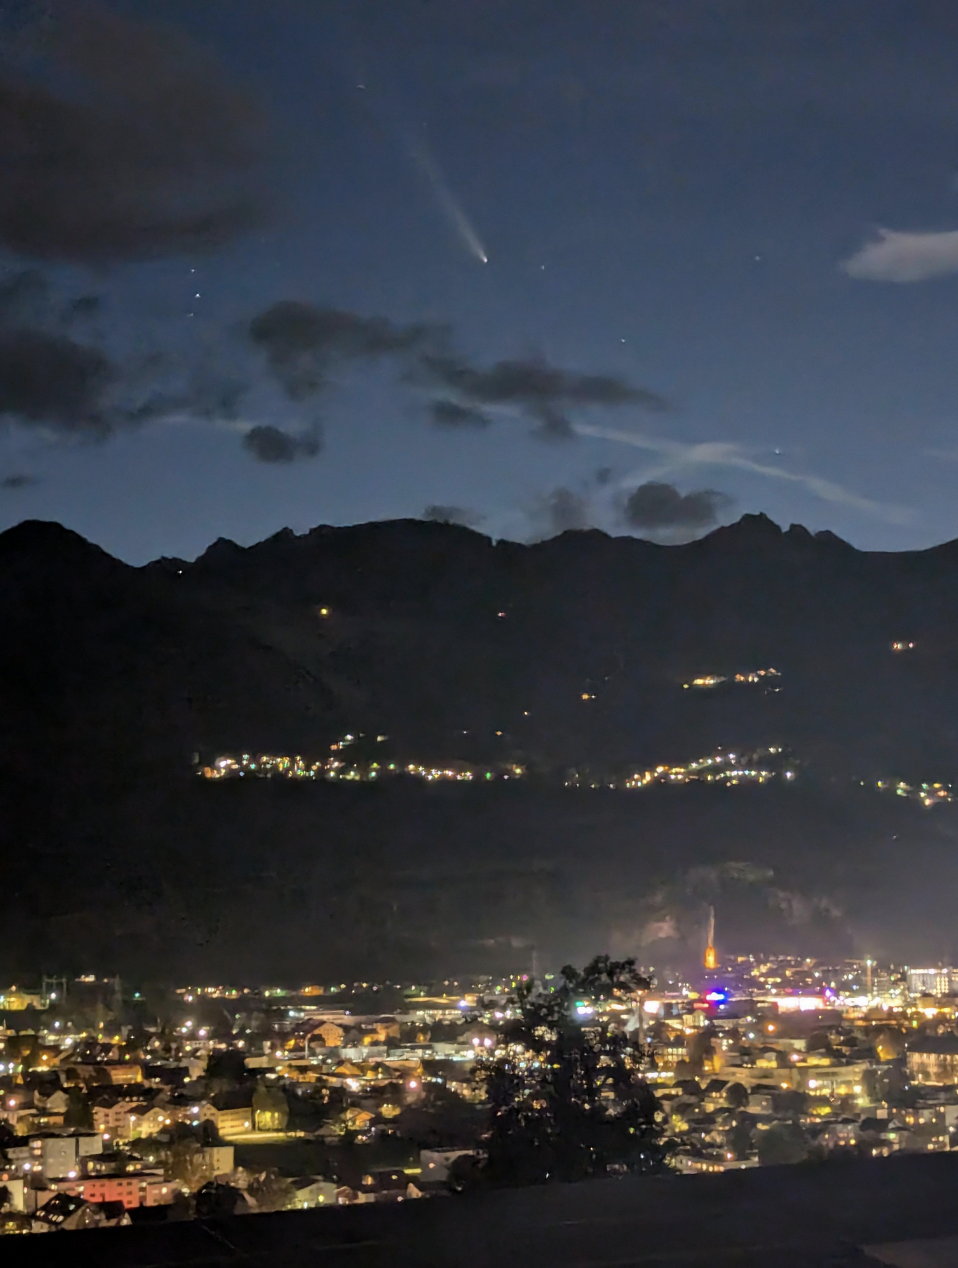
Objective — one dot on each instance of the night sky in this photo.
(638, 264)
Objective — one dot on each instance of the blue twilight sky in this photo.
(685, 194)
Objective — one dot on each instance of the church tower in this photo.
(711, 960)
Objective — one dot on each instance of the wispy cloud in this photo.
(679, 455)
(904, 257)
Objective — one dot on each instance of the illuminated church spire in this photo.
(711, 960)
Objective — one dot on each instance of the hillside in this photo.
(568, 658)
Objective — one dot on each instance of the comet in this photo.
(448, 202)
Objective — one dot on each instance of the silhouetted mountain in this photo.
(567, 655)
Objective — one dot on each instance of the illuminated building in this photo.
(939, 981)
(933, 1059)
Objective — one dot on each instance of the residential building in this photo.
(138, 1189)
(938, 981)
(436, 1164)
(231, 1122)
(219, 1159)
(113, 1117)
(313, 1191)
(933, 1059)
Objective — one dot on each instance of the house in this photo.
(143, 1121)
(388, 1184)
(933, 1059)
(328, 1035)
(232, 1122)
(715, 1094)
(114, 1215)
(51, 1101)
(185, 1109)
(111, 1117)
(882, 1135)
(310, 1191)
(67, 1211)
(355, 1119)
(58, 1155)
(166, 1074)
(840, 1131)
(132, 1189)
(715, 1160)
(219, 1159)
(436, 1164)
(760, 1102)
(98, 1073)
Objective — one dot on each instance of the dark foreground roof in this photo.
(786, 1217)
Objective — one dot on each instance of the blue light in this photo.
(717, 997)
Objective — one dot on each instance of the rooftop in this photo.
(795, 1217)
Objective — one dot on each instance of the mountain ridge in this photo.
(569, 655)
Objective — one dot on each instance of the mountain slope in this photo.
(567, 655)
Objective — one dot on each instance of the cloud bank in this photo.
(904, 257)
(305, 345)
(679, 455)
(142, 148)
(453, 515)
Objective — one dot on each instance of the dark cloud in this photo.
(543, 393)
(19, 480)
(661, 507)
(567, 510)
(272, 444)
(603, 476)
(557, 512)
(302, 342)
(142, 148)
(48, 378)
(24, 297)
(453, 515)
(84, 306)
(534, 384)
(448, 413)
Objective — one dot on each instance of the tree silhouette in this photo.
(271, 1191)
(736, 1096)
(889, 1044)
(227, 1070)
(270, 1108)
(79, 1112)
(738, 1138)
(566, 1098)
(783, 1143)
(442, 1118)
(217, 1200)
